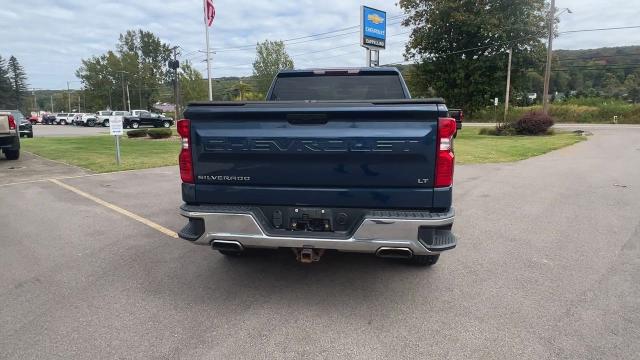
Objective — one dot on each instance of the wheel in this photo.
(30, 135)
(424, 260)
(63, 122)
(12, 154)
(166, 124)
(91, 123)
(105, 123)
(135, 125)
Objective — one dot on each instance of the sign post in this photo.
(116, 129)
(373, 33)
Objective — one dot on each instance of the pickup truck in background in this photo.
(334, 160)
(458, 115)
(9, 135)
(106, 116)
(142, 117)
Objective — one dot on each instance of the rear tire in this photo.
(105, 123)
(30, 135)
(135, 125)
(424, 260)
(63, 122)
(12, 154)
(91, 123)
(166, 124)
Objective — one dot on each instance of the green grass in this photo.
(97, 153)
(472, 148)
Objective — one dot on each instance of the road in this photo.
(569, 126)
(548, 266)
(67, 130)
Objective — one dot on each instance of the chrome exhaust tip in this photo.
(227, 245)
(394, 253)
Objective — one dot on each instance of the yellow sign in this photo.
(375, 18)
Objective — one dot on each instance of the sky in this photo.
(50, 37)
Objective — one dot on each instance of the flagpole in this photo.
(206, 30)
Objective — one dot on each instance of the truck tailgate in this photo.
(4, 124)
(353, 154)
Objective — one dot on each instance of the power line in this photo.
(600, 29)
(524, 38)
(242, 47)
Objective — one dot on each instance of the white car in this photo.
(105, 117)
(85, 119)
(64, 118)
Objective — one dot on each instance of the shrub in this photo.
(138, 133)
(533, 123)
(159, 133)
(500, 130)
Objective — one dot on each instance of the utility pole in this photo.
(507, 91)
(110, 105)
(547, 70)
(51, 101)
(68, 97)
(128, 97)
(124, 103)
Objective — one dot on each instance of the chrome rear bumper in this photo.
(373, 232)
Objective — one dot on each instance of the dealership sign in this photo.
(373, 25)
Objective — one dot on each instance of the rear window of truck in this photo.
(338, 87)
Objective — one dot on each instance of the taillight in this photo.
(185, 160)
(12, 123)
(445, 157)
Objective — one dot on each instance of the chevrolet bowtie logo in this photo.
(375, 18)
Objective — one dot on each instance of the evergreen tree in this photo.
(18, 79)
(5, 86)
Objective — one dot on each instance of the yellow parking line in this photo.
(118, 209)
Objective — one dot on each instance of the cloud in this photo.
(50, 38)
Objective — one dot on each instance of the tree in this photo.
(18, 80)
(242, 90)
(5, 86)
(271, 57)
(192, 85)
(461, 46)
(139, 61)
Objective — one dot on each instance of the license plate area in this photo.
(310, 219)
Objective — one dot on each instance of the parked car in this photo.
(74, 118)
(63, 118)
(26, 128)
(102, 117)
(105, 117)
(9, 133)
(34, 119)
(86, 119)
(143, 117)
(49, 119)
(365, 169)
(458, 115)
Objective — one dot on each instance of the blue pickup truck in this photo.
(334, 160)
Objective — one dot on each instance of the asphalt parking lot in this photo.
(68, 130)
(548, 266)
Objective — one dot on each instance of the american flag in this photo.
(209, 12)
